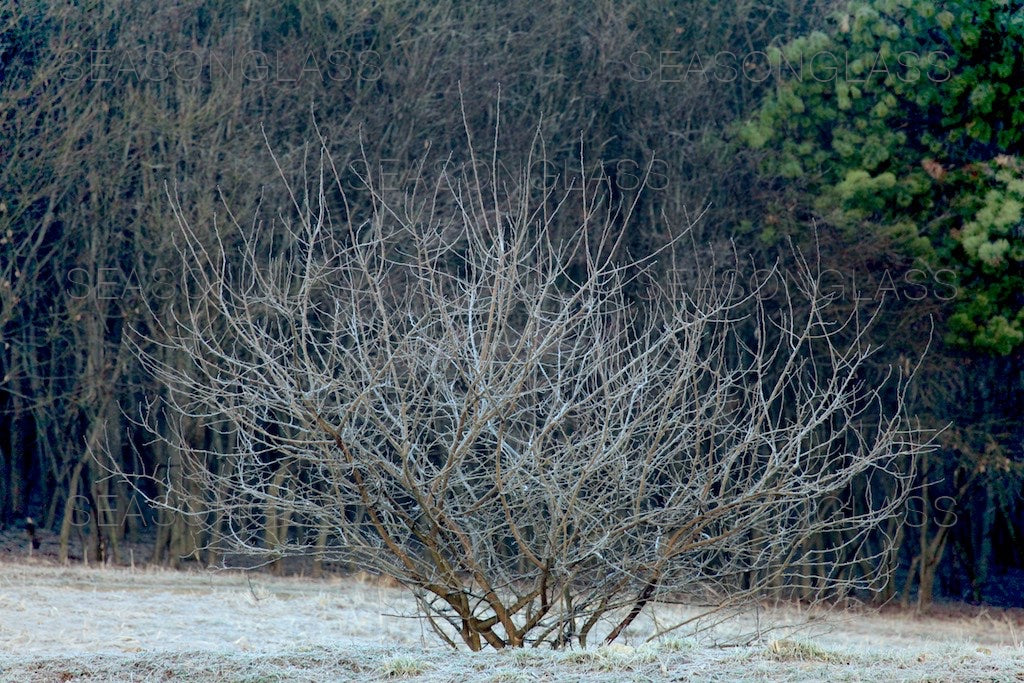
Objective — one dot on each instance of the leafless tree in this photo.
(428, 391)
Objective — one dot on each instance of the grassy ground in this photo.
(81, 624)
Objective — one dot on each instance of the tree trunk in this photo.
(69, 510)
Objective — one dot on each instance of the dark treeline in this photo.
(105, 111)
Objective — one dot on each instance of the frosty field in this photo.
(89, 624)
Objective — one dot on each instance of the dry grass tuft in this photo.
(798, 651)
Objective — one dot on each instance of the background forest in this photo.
(908, 190)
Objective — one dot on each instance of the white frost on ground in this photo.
(61, 624)
(54, 611)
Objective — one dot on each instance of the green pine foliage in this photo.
(905, 121)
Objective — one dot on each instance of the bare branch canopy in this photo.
(537, 433)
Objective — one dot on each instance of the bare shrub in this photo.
(430, 392)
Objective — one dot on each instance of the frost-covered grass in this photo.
(62, 624)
